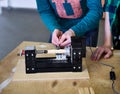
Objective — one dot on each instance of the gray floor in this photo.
(19, 25)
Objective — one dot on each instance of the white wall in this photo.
(19, 3)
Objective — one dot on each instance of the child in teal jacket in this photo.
(66, 18)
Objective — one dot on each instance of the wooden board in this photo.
(49, 83)
(20, 74)
(99, 76)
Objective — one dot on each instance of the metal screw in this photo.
(74, 67)
(79, 67)
(33, 68)
(32, 55)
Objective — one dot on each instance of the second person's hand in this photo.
(104, 51)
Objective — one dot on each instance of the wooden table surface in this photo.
(99, 76)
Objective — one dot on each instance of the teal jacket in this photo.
(111, 7)
(78, 15)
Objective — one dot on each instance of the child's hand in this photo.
(56, 37)
(65, 39)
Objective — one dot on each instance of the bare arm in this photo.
(105, 49)
(108, 36)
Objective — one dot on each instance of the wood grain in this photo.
(20, 74)
(98, 83)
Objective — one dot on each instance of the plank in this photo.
(20, 74)
(85, 90)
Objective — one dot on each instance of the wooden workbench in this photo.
(99, 81)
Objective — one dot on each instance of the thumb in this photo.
(108, 55)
